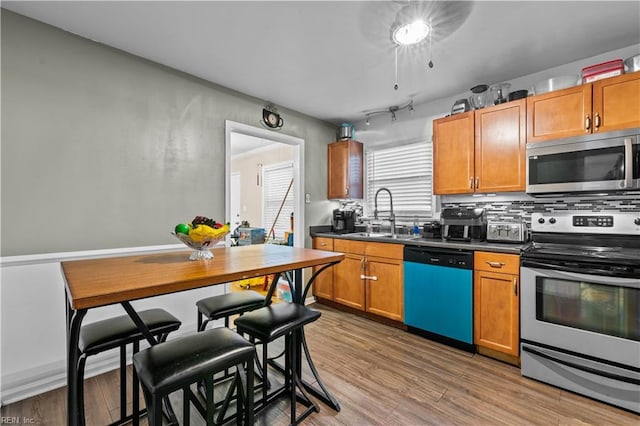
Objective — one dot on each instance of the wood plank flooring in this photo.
(382, 376)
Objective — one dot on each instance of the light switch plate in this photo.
(307, 198)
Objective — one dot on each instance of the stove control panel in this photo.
(606, 221)
(576, 221)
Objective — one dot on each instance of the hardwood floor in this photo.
(382, 376)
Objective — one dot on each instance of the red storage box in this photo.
(603, 70)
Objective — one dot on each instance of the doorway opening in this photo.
(249, 152)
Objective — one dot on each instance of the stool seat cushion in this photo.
(270, 322)
(113, 332)
(174, 364)
(230, 304)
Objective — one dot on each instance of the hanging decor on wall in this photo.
(270, 117)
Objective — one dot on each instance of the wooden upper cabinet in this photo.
(500, 147)
(480, 151)
(605, 105)
(453, 154)
(345, 169)
(559, 114)
(616, 103)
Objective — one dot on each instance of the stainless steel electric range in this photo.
(580, 304)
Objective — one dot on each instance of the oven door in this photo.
(592, 315)
(593, 165)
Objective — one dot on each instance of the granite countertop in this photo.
(325, 231)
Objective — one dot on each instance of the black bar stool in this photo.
(118, 332)
(174, 365)
(226, 305)
(268, 324)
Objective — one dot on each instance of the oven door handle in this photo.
(584, 368)
(582, 272)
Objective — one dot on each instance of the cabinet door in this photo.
(559, 114)
(348, 287)
(616, 103)
(344, 170)
(384, 287)
(453, 164)
(323, 284)
(500, 147)
(496, 312)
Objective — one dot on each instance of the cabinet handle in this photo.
(515, 286)
(323, 244)
(495, 264)
(596, 122)
(471, 182)
(371, 278)
(477, 182)
(362, 268)
(587, 123)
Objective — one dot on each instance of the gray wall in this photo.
(103, 149)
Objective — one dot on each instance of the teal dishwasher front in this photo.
(438, 294)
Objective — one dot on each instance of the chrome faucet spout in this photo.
(392, 216)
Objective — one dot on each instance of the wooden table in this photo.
(106, 281)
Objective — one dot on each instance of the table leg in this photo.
(323, 393)
(74, 321)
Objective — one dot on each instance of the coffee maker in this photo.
(344, 221)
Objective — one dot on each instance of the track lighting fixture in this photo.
(391, 110)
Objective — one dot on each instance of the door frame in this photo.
(298, 170)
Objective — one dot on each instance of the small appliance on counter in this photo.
(464, 224)
(507, 232)
(344, 221)
(432, 230)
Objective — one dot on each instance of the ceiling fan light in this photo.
(411, 33)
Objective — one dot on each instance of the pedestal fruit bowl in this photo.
(201, 235)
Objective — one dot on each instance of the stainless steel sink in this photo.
(384, 235)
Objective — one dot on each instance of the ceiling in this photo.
(334, 60)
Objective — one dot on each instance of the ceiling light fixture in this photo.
(391, 110)
(406, 34)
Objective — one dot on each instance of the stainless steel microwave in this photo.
(602, 162)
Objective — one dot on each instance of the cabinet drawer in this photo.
(496, 262)
(388, 250)
(322, 243)
(349, 246)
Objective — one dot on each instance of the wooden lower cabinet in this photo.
(348, 288)
(383, 287)
(496, 296)
(323, 284)
(369, 279)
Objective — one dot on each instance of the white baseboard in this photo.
(34, 381)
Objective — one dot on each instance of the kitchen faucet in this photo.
(392, 216)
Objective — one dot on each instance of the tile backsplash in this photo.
(522, 209)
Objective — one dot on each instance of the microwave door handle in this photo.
(628, 162)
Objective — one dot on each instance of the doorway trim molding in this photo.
(298, 170)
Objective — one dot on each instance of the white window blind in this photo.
(407, 172)
(275, 182)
